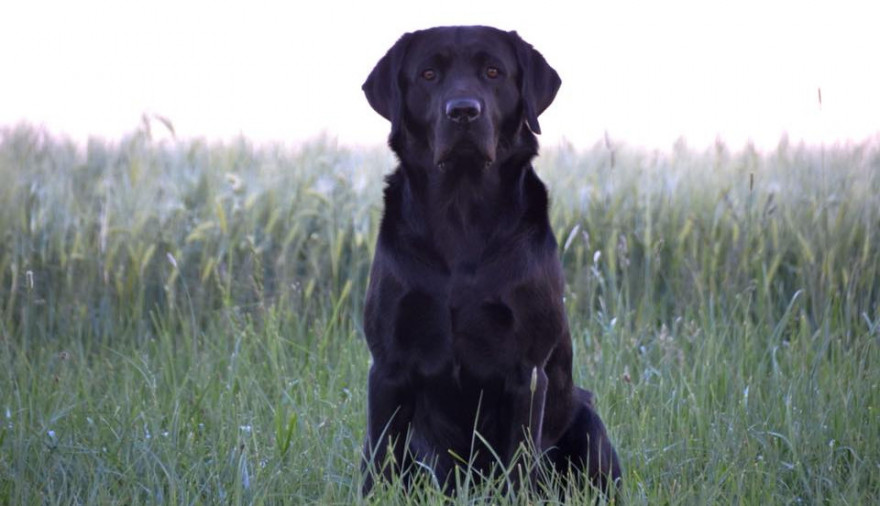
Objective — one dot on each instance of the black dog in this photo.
(464, 315)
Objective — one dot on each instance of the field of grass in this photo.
(180, 322)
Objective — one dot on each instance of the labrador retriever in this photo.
(464, 317)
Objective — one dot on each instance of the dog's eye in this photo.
(429, 74)
(492, 72)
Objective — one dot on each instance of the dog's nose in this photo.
(463, 110)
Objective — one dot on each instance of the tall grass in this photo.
(180, 321)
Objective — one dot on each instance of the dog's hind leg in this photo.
(586, 448)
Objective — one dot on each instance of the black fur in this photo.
(464, 310)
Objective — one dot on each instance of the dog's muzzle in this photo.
(464, 133)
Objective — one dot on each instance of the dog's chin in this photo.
(464, 153)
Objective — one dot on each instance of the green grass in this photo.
(180, 321)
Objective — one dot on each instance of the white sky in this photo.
(647, 72)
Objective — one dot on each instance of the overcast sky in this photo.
(647, 72)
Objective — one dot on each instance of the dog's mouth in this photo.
(464, 148)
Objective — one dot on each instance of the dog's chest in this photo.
(467, 322)
(457, 314)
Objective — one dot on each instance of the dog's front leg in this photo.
(389, 413)
(529, 398)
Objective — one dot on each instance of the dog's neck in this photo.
(466, 201)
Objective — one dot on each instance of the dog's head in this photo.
(461, 92)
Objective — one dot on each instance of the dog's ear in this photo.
(382, 87)
(539, 82)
